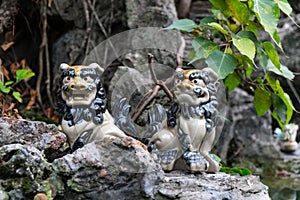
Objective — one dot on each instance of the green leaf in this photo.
(221, 5)
(185, 25)
(272, 53)
(282, 71)
(279, 111)
(203, 47)
(17, 96)
(245, 46)
(247, 65)
(250, 35)
(262, 101)
(287, 73)
(218, 27)
(285, 7)
(245, 172)
(232, 81)
(4, 89)
(223, 64)
(283, 106)
(206, 20)
(239, 10)
(236, 170)
(8, 83)
(267, 12)
(22, 74)
(254, 27)
(263, 61)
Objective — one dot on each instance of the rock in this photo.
(23, 170)
(45, 137)
(150, 13)
(70, 47)
(288, 33)
(74, 11)
(200, 9)
(110, 169)
(3, 194)
(180, 185)
(128, 81)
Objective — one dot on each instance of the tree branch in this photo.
(41, 54)
(159, 84)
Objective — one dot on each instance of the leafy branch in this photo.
(229, 42)
(8, 86)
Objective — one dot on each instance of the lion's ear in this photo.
(179, 70)
(63, 66)
(99, 69)
(213, 76)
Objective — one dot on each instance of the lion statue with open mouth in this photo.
(82, 104)
(185, 137)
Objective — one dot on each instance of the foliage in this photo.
(8, 87)
(15, 92)
(232, 170)
(229, 42)
(236, 170)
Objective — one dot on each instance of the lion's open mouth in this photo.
(199, 92)
(80, 95)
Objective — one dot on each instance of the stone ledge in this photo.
(182, 185)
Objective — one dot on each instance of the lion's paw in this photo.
(195, 162)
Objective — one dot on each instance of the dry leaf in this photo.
(6, 45)
(33, 95)
(9, 37)
(49, 3)
(14, 67)
(10, 108)
(8, 40)
(17, 115)
(5, 72)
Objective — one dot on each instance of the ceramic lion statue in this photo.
(82, 103)
(185, 138)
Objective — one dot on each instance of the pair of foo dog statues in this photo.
(181, 137)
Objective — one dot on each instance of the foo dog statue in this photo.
(185, 138)
(82, 101)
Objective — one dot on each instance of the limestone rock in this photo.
(184, 186)
(150, 13)
(128, 81)
(74, 11)
(45, 137)
(23, 170)
(109, 169)
(69, 47)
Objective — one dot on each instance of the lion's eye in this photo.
(88, 79)
(177, 81)
(68, 78)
